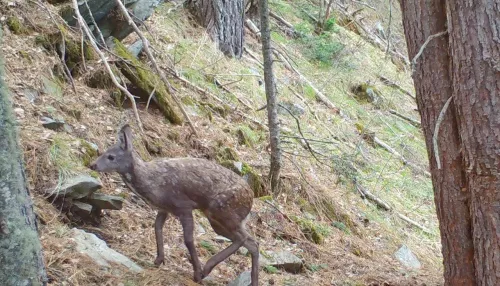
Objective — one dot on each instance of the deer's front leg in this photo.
(188, 229)
(159, 222)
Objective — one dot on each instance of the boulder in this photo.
(95, 248)
(81, 209)
(105, 202)
(79, 187)
(52, 124)
(284, 260)
(244, 279)
(407, 258)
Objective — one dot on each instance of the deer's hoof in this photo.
(198, 276)
(159, 260)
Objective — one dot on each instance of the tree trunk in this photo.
(461, 64)
(475, 45)
(272, 114)
(21, 261)
(224, 20)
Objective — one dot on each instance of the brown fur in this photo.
(178, 186)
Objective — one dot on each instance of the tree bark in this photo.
(21, 261)
(272, 105)
(462, 64)
(224, 20)
(474, 30)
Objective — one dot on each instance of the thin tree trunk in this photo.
(272, 105)
(474, 30)
(21, 261)
(224, 21)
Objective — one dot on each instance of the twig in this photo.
(217, 83)
(435, 137)
(101, 37)
(412, 121)
(389, 30)
(364, 4)
(149, 99)
(106, 64)
(155, 65)
(391, 83)
(430, 38)
(63, 61)
(313, 153)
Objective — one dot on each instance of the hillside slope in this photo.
(318, 215)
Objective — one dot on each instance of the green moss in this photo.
(266, 198)
(16, 26)
(246, 136)
(209, 247)
(188, 101)
(226, 154)
(89, 153)
(314, 232)
(255, 181)
(270, 269)
(140, 76)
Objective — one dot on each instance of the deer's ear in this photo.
(125, 137)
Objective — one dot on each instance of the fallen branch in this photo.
(232, 93)
(155, 65)
(385, 206)
(391, 150)
(281, 20)
(412, 121)
(106, 64)
(391, 83)
(249, 23)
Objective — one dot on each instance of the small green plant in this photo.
(341, 226)
(209, 247)
(330, 25)
(271, 269)
(316, 267)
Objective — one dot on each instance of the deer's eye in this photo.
(111, 157)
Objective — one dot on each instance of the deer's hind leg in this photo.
(230, 229)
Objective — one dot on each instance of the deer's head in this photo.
(118, 158)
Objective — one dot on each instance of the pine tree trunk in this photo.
(461, 64)
(475, 46)
(272, 104)
(21, 261)
(224, 20)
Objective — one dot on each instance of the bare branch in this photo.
(155, 65)
(430, 38)
(435, 137)
(106, 64)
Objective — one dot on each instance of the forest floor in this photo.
(319, 191)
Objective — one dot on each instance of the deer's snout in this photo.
(93, 166)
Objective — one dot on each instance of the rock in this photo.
(79, 187)
(295, 108)
(285, 260)
(136, 48)
(19, 112)
(407, 258)
(81, 209)
(201, 230)
(239, 167)
(89, 244)
(243, 251)
(105, 202)
(99, 9)
(52, 124)
(221, 239)
(244, 279)
(30, 93)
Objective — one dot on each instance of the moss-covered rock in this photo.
(142, 78)
(254, 180)
(366, 93)
(16, 26)
(100, 79)
(246, 136)
(226, 154)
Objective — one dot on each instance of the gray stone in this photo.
(79, 187)
(136, 48)
(244, 279)
(407, 258)
(200, 230)
(30, 93)
(98, 8)
(81, 208)
(105, 202)
(89, 244)
(239, 167)
(221, 239)
(52, 124)
(285, 260)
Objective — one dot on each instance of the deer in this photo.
(177, 186)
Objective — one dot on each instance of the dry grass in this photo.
(363, 257)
